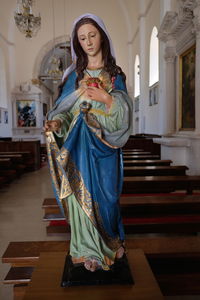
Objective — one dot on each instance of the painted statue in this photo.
(86, 128)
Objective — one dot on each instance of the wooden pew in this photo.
(5, 163)
(165, 255)
(2, 181)
(24, 146)
(9, 175)
(132, 150)
(145, 143)
(7, 172)
(141, 156)
(145, 205)
(154, 170)
(160, 184)
(128, 153)
(17, 162)
(147, 162)
(14, 157)
(25, 154)
(142, 214)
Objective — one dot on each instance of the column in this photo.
(167, 93)
(143, 68)
(169, 103)
(196, 22)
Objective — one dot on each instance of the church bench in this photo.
(26, 253)
(132, 150)
(2, 181)
(33, 147)
(50, 206)
(13, 157)
(174, 260)
(18, 275)
(10, 175)
(23, 153)
(160, 184)
(129, 153)
(26, 160)
(186, 224)
(154, 170)
(142, 214)
(144, 143)
(145, 205)
(6, 171)
(189, 224)
(141, 157)
(21, 161)
(5, 163)
(15, 163)
(147, 162)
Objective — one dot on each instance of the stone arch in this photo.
(45, 50)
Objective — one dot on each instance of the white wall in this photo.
(6, 44)
(150, 121)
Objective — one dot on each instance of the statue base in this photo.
(77, 274)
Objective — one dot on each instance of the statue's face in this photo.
(90, 39)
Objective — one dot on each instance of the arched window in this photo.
(3, 87)
(137, 76)
(154, 58)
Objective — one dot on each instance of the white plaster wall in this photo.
(152, 19)
(135, 51)
(186, 155)
(6, 10)
(7, 44)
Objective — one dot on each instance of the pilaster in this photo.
(196, 23)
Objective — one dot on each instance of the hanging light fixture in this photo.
(54, 69)
(25, 20)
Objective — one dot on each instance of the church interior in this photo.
(157, 45)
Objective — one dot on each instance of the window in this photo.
(137, 76)
(3, 87)
(154, 58)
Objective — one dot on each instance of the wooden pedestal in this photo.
(45, 283)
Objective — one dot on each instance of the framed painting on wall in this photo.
(26, 113)
(187, 89)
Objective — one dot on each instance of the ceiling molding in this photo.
(45, 49)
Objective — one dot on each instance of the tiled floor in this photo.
(21, 218)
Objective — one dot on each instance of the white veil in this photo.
(73, 55)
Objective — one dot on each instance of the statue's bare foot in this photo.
(92, 265)
(120, 252)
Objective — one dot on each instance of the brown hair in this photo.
(82, 59)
